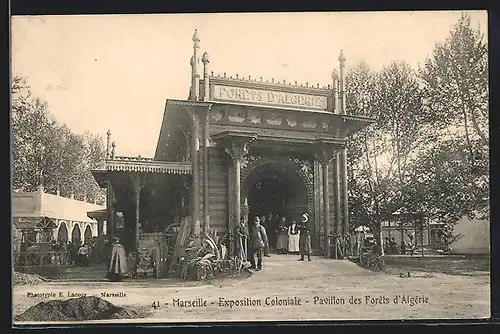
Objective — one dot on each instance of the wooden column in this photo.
(343, 153)
(336, 193)
(206, 204)
(237, 147)
(100, 227)
(345, 194)
(325, 152)
(110, 227)
(195, 198)
(326, 210)
(138, 182)
(324, 155)
(236, 154)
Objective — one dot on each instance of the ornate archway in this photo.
(87, 235)
(284, 177)
(62, 232)
(76, 234)
(295, 168)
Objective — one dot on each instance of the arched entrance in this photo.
(76, 235)
(62, 233)
(273, 189)
(87, 235)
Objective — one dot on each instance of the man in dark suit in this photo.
(258, 242)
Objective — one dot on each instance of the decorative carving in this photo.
(311, 124)
(217, 116)
(326, 125)
(237, 116)
(236, 146)
(246, 160)
(145, 165)
(326, 152)
(254, 117)
(274, 119)
(291, 122)
(305, 167)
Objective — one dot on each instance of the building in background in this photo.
(45, 217)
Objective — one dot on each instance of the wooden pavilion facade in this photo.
(235, 148)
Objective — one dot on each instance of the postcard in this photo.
(194, 168)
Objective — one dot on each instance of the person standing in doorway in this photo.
(293, 238)
(265, 225)
(258, 242)
(282, 242)
(304, 243)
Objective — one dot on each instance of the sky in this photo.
(117, 71)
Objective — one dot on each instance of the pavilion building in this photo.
(237, 147)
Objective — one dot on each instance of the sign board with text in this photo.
(236, 94)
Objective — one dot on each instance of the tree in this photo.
(400, 112)
(379, 155)
(31, 129)
(46, 153)
(441, 184)
(455, 83)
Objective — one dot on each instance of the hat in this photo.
(305, 217)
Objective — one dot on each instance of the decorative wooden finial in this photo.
(295, 82)
(236, 76)
(212, 73)
(342, 58)
(272, 80)
(196, 39)
(249, 77)
(113, 147)
(283, 82)
(317, 85)
(307, 84)
(224, 74)
(335, 75)
(261, 79)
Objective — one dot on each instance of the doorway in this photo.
(275, 189)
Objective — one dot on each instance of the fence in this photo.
(50, 258)
(34, 259)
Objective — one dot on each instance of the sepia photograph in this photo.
(244, 167)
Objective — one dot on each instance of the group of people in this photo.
(291, 238)
(390, 246)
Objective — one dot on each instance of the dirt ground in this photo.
(327, 290)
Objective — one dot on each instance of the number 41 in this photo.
(155, 305)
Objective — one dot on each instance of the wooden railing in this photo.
(37, 259)
(339, 246)
(50, 258)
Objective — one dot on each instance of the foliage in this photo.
(206, 260)
(372, 261)
(427, 150)
(456, 98)
(380, 154)
(46, 153)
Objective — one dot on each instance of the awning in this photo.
(101, 214)
(44, 223)
(147, 165)
(139, 165)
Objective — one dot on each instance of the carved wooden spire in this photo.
(195, 76)
(205, 60)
